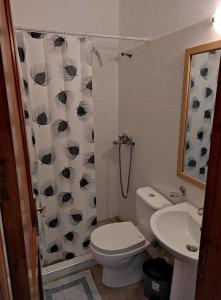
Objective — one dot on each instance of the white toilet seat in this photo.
(122, 255)
(117, 238)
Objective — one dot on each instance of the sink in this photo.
(177, 228)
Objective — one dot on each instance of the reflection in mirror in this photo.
(199, 96)
(201, 102)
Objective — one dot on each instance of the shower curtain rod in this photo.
(120, 37)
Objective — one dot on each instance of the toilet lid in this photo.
(117, 238)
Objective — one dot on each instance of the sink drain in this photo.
(192, 248)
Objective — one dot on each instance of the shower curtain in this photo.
(56, 84)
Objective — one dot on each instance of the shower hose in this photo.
(125, 194)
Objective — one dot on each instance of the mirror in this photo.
(201, 69)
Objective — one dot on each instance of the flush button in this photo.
(151, 195)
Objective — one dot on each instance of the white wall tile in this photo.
(105, 88)
(107, 172)
(159, 87)
(106, 153)
(109, 67)
(105, 133)
(149, 109)
(107, 197)
(147, 51)
(105, 94)
(172, 46)
(105, 111)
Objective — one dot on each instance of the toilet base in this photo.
(126, 275)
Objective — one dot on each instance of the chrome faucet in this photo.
(200, 211)
(125, 138)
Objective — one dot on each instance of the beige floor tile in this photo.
(131, 292)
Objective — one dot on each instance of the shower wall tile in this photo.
(106, 153)
(147, 51)
(109, 66)
(106, 111)
(107, 172)
(152, 117)
(173, 45)
(158, 87)
(150, 95)
(107, 195)
(105, 133)
(105, 94)
(105, 88)
(127, 113)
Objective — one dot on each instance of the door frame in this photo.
(17, 205)
(209, 266)
(4, 284)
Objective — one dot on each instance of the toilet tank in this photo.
(148, 201)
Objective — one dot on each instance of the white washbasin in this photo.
(176, 227)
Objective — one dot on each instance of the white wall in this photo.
(105, 94)
(156, 18)
(142, 17)
(150, 94)
(67, 15)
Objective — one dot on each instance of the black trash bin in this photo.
(157, 279)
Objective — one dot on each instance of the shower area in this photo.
(58, 110)
(70, 92)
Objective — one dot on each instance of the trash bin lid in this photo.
(158, 269)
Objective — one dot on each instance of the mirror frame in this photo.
(183, 117)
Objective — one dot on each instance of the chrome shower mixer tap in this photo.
(125, 138)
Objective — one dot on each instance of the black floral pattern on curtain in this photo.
(56, 83)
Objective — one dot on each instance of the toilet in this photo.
(119, 247)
